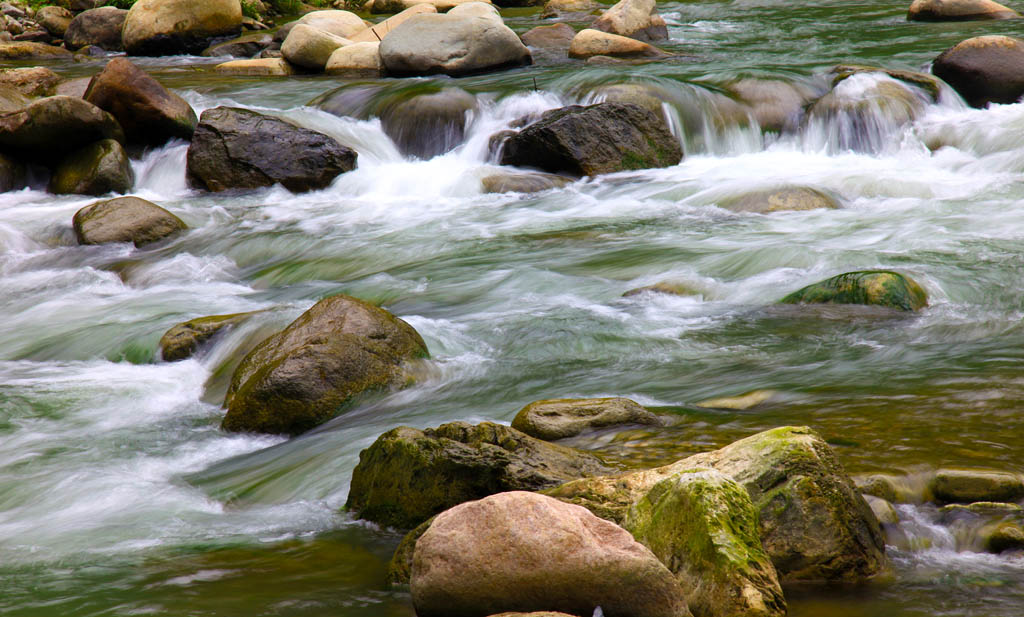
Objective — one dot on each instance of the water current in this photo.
(119, 495)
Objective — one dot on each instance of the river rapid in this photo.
(119, 495)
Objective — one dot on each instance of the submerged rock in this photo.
(782, 199)
(776, 105)
(744, 401)
(100, 27)
(409, 475)
(303, 376)
(984, 69)
(245, 46)
(589, 43)
(560, 418)
(861, 111)
(97, 169)
(520, 551)
(557, 36)
(924, 81)
(671, 288)
(637, 19)
(522, 182)
(959, 10)
(968, 486)
(184, 339)
(868, 287)
(170, 27)
(125, 219)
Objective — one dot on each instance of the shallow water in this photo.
(120, 496)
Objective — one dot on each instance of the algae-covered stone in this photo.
(400, 566)
(124, 219)
(869, 287)
(303, 376)
(968, 486)
(703, 526)
(560, 418)
(782, 199)
(181, 341)
(1003, 536)
(409, 475)
(27, 50)
(97, 169)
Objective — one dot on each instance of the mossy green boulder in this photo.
(97, 169)
(703, 526)
(181, 341)
(305, 375)
(868, 287)
(125, 219)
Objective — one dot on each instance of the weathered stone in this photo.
(968, 486)
(776, 105)
(169, 27)
(311, 47)
(560, 418)
(100, 27)
(889, 487)
(183, 340)
(56, 124)
(426, 125)
(271, 67)
(376, 33)
(31, 81)
(568, 8)
(588, 43)
(54, 19)
(884, 511)
(868, 287)
(959, 10)
(26, 50)
(149, 113)
(520, 551)
(245, 46)
(125, 219)
(97, 169)
(397, 6)
(522, 182)
(953, 511)
(1001, 536)
(339, 23)
(782, 199)
(355, 60)
(239, 148)
(984, 69)
(556, 36)
(744, 401)
(306, 374)
(637, 19)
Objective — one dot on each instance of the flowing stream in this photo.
(119, 495)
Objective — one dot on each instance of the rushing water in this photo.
(120, 496)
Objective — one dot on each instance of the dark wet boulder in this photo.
(56, 124)
(240, 148)
(637, 19)
(426, 125)
(31, 81)
(170, 27)
(100, 27)
(124, 219)
(520, 551)
(867, 287)
(522, 182)
(97, 169)
(560, 418)
(959, 10)
(306, 374)
(28, 50)
(781, 199)
(185, 339)
(592, 140)
(556, 36)
(409, 475)
(984, 69)
(149, 113)
(969, 486)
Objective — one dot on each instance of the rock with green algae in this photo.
(703, 526)
(560, 418)
(125, 219)
(868, 287)
(1003, 536)
(307, 373)
(814, 524)
(409, 475)
(973, 485)
(181, 341)
(97, 169)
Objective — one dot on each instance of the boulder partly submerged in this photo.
(96, 169)
(984, 69)
(590, 42)
(125, 219)
(959, 10)
(560, 418)
(780, 199)
(183, 340)
(868, 287)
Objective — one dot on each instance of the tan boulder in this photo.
(959, 10)
(592, 42)
(377, 32)
(636, 19)
(270, 67)
(397, 6)
(556, 36)
(338, 23)
(26, 50)
(560, 418)
(125, 219)
(311, 47)
(54, 19)
(168, 27)
(31, 81)
(356, 60)
(569, 8)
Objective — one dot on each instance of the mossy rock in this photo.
(400, 566)
(182, 341)
(560, 418)
(125, 219)
(969, 486)
(884, 511)
(868, 287)
(704, 527)
(1003, 536)
(97, 169)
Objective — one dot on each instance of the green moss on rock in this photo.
(868, 287)
(181, 341)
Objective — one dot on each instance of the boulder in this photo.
(984, 69)
(776, 105)
(304, 375)
(183, 340)
(672, 288)
(12, 100)
(397, 6)
(245, 46)
(884, 511)
(355, 60)
(376, 33)
(588, 43)
(27, 50)
(56, 124)
(1003, 536)
(743, 401)
(125, 219)
(923, 81)
(97, 169)
(100, 27)
(12, 174)
(570, 9)
(814, 525)
(239, 148)
(869, 287)
(637, 19)
(170, 27)
(257, 67)
(862, 111)
(959, 10)
(149, 113)
(519, 551)
(506, 182)
(560, 418)
(409, 475)
(34, 35)
(592, 140)
(339, 23)
(533, 614)
(31, 81)
(455, 45)
(54, 19)
(703, 526)
(786, 198)
(556, 36)
(427, 125)
(311, 47)
(968, 486)
(74, 87)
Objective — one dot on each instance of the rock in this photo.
(984, 69)
(170, 27)
(100, 27)
(31, 81)
(25, 50)
(522, 182)
(12, 174)
(776, 105)
(149, 113)
(814, 525)
(310, 47)
(923, 81)
(339, 23)
(125, 219)
(588, 43)
(304, 375)
(274, 67)
(56, 124)
(637, 19)
(951, 512)
(245, 46)
(703, 526)
(1003, 536)
(355, 60)
(560, 418)
(744, 401)
(239, 148)
(409, 475)
(968, 486)
(426, 125)
(884, 511)
(862, 111)
(664, 287)
(183, 340)
(78, 6)
(97, 169)
(454, 45)
(520, 551)
(376, 34)
(868, 287)
(397, 6)
(782, 199)
(54, 19)
(567, 8)
(533, 614)
(592, 140)
(400, 566)
(888, 487)
(557, 36)
(74, 87)
(958, 10)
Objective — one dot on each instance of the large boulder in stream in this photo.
(56, 124)
(377, 32)
(149, 113)
(339, 23)
(306, 374)
(170, 27)
(593, 140)
(426, 125)
(310, 47)
(560, 418)
(637, 19)
(97, 169)
(240, 148)
(959, 10)
(969, 486)
(521, 551)
(984, 69)
(100, 27)
(355, 60)
(124, 219)
(868, 287)
(409, 475)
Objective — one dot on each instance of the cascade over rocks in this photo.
(184, 339)
(125, 219)
(100, 27)
(97, 169)
(521, 551)
(560, 418)
(868, 287)
(304, 375)
(637, 19)
(776, 105)
(239, 148)
(984, 69)
(170, 27)
(56, 124)
(426, 125)
(959, 10)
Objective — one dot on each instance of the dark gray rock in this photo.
(100, 27)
